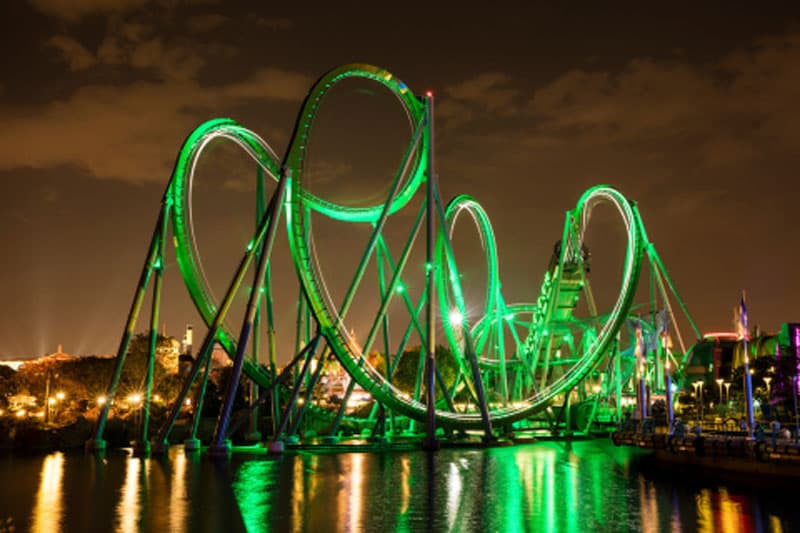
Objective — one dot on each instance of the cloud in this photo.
(74, 10)
(180, 62)
(204, 23)
(724, 113)
(272, 83)
(73, 52)
(129, 133)
(736, 110)
(489, 94)
(274, 23)
(135, 45)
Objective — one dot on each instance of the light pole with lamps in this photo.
(719, 383)
(727, 391)
(700, 384)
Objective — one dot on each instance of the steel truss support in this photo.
(153, 262)
(219, 445)
(160, 445)
(276, 446)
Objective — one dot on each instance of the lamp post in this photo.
(700, 384)
(668, 391)
(767, 380)
(727, 391)
(719, 383)
(59, 398)
(796, 414)
(51, 402)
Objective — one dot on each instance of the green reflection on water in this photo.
(253, 488)
(588, 486)
(540, 487)
(553, 487)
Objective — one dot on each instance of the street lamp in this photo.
(727, 391)
(455, 317)
(719, 382)
(696, 396)
(51, 402)
(699, 391)
(767, 380)
(59, 398)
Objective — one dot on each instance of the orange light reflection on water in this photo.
(48, 510)
(177, 493)
(129, 506)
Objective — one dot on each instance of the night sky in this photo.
(691, 112)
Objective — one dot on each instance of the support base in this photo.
(159, 448)
(275, 447)
(141, 448)
(219, 451)
(431, 444)
(192, 444)
(488, 439)
(95, 445)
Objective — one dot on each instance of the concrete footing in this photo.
(95, 445)
(275, 447)
(141, 448)
(431, 444)
(159, 448)
(219, 451)
(192, 444)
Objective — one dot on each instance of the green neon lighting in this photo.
(515, 344)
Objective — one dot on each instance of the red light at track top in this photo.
(429, 94)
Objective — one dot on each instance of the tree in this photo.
(8, 385)
(405, 374)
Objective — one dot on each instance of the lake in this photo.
(545, 486)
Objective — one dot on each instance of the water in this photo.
(549, 486)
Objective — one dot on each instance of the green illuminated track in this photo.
(514, 345)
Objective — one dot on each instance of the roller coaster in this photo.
(508, 364)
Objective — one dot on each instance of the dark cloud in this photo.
(74, 10)
(205, 22)
(274, 23)
(129, 133)
(73, 52)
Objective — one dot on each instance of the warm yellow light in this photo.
(60, 395)
(156, 398)
(101, 400)
(21, 413)
(40, 414)
(135, 398)
(51, 401)
(188, 401)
